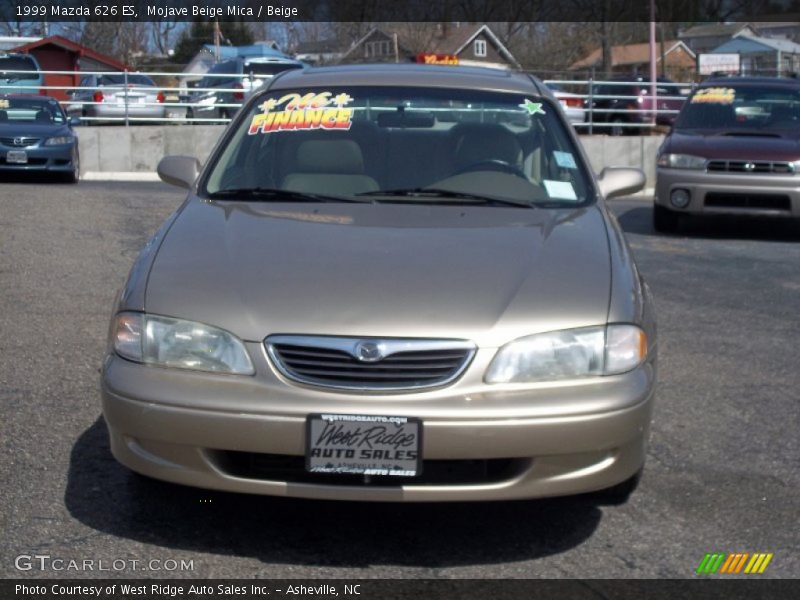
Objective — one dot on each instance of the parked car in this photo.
(573, 104)
(35, 136)
(229, 83)
(20, 74)
(115, 97)
(359, 301)
(734, 150)
(623, 105)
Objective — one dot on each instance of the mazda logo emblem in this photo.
(19, 141)
(749, 166)
(368, 352)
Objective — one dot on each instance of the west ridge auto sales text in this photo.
(222, 589)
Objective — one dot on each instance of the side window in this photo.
(213, 81)
(227, 68)
(603, 90)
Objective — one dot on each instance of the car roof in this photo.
(28, 97)
(736, 80)
(411, 75)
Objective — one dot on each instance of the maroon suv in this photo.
(735, 148)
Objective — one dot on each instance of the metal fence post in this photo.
(126, 97)
(591, 103)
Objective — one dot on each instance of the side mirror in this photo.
(181, 171)
(74, 121)
(620, 181)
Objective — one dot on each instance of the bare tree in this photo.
(163, 34)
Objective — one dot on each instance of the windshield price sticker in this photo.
(562, 190)
(565, 160)
(363, 445)
(293, 112)
(4, 103)
(716, 95)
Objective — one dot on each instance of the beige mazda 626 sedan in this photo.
(388, 283)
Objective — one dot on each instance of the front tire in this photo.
(74, 176)
(665, 220)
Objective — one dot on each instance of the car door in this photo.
(76, 107)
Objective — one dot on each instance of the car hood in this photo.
(744, 147)
(33, 130)
(488, 274)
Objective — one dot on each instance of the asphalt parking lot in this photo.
(722, 473)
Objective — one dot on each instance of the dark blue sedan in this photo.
(37, 137)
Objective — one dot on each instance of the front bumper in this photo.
(55, 159)
(559, 440)
(772, 195)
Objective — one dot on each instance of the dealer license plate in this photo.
(364, 445)
(18, 157)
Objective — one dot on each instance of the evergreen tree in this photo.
(201, 31)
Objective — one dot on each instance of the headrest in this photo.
(3, 116)
(43, 116)
(478, 142)
(329, 156)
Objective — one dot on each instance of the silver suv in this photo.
(229, 83)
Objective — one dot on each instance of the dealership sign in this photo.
(437, 59)
(708, 64)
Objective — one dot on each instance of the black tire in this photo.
(665, 220)
(74, 176)
(615, 128)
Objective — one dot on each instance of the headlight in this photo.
(59, 141)
(168, 342)
(681, 161)
(569, 354)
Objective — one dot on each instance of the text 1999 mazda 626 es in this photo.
(389, 284)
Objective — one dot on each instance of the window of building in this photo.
(379, 48)
(480, 47)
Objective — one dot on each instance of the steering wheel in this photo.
(493, 164)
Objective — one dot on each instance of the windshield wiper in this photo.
(749, 134)
(277, 195)
(425, 193)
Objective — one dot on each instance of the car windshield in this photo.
(120, 80)
(257, 68)
(742, 109)
(388, 144)
(30, 110)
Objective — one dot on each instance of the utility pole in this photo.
(653, 72)
(217, 36)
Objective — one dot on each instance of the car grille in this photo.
(19, 142)
(391, 364)
(751, 201)
(291, 469)
(750, 166)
